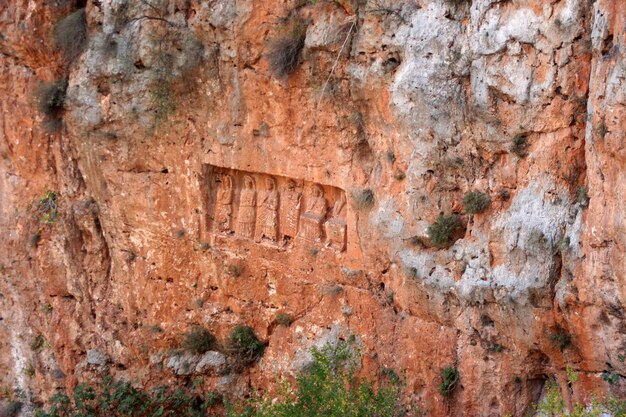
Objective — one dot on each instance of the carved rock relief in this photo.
(274, 209)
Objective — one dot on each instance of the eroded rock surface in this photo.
(195, 187)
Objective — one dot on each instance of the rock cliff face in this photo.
(193, 182)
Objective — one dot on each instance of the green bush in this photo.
(284, 51)
(553, 405)
(475, 202)
(441, 232)
(329, 388)
(120, 399)
(70, 34)
(245, 347)
(449, 380)
(199, 340)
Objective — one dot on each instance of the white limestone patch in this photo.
(425, 85)
(387, 219)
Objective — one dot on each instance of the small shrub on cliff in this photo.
(458, 2)
(520, 146)
(449, 380)
(245, 347)
(610, 377)
(441, 232)
(50, 102)
(38, 343)
(328, 387)
(284, 51)
(48, 208)
(364, 199)
(70, 35)
(561, 339)
(475, 202)
(582, 197)
(284, 319)
(12, 409)
(199, 340)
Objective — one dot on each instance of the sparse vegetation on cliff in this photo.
(328, 387)
(70, 35)
(441, 232)
(199, 340)
(284, 50)
(475, 202)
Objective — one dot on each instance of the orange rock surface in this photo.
(394, 111)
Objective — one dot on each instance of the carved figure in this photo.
(291, 200)
(336, 225)
(269, 210)
(311, 220)
(224, 204)
(247, 208)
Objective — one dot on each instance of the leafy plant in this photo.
(572, 376)
(284, 51)
(441, 232)
(449, 380)
(475, 202)
(70, 34)
(245, 347)
(328, 387)
(610, 377)
(199, 340)
(47, 208)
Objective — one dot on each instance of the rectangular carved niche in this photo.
(274, 209)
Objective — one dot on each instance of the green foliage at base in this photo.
(120, 399)
(553, 405)
(329, 387)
